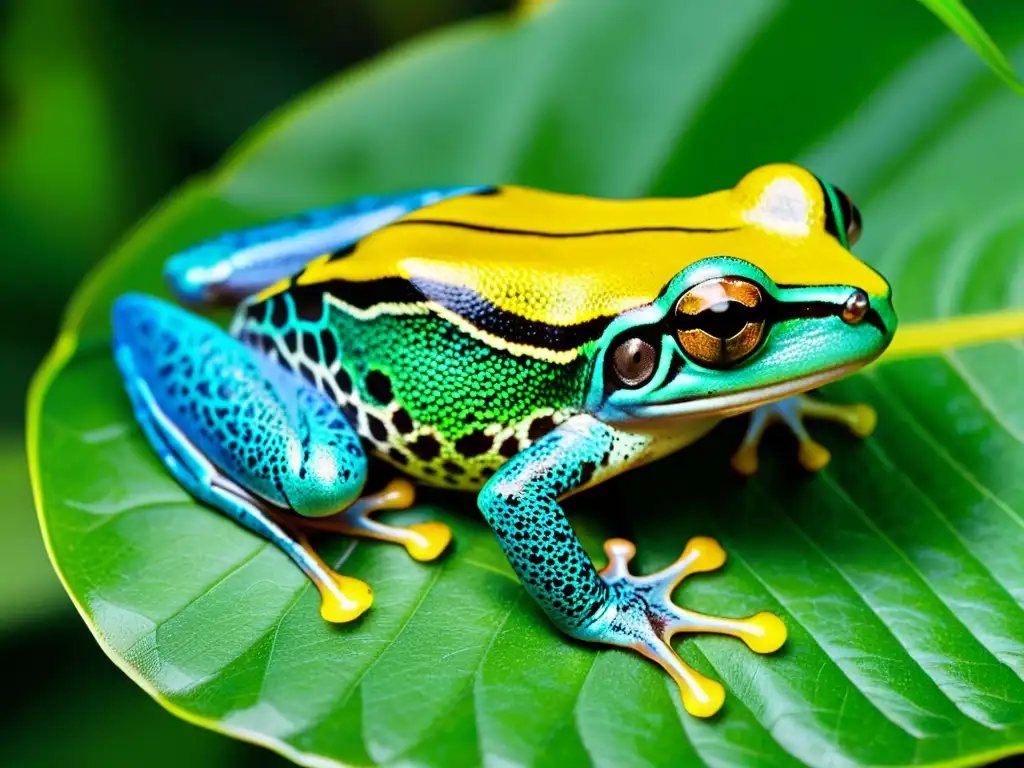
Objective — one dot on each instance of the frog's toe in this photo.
(427, 540)
(346, 601)
(342, 598)
(423, 541)
(813, 456)
(859, 418)
(640, 615)
(744, 461)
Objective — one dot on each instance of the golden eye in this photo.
(720, 321)
(634, 361)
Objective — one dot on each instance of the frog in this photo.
(520, 344)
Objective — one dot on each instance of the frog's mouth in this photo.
(742, 400)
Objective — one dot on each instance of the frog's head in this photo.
(776, 307)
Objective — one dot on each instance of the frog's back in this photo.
(552, 259)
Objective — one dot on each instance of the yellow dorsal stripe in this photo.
(512, 207)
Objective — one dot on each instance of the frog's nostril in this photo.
(855, 308)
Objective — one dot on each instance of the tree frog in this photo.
(520, 344)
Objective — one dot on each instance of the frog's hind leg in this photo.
(250, 439)
(859, 418)
(424, 541)
(234, 265)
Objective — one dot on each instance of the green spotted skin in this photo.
(426, 396)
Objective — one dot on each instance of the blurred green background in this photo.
(105, 106)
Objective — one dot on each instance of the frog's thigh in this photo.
(244, 436)
(234, 265)
(859, 418)
(613, 606)
(264, 427)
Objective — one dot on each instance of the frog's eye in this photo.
(720, 321)
(842, 219)
(634, 361)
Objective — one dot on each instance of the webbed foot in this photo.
(859, 418)
(423, 541)
(640, 615)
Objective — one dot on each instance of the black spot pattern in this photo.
(309, 347)
(425, 447)
(291, 341)
(277, 312)
(587, 469)
(379, 387)
(402, 422)
(344, 381)
(540, 427)
(377, 428)
(474, 444)
(330, 345)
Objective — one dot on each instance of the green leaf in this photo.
(899, 570)
(956, 15)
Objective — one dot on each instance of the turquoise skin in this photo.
(256, 430)
(825, 343)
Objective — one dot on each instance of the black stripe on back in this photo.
(555, 235)
(465, 302)
(487, 317)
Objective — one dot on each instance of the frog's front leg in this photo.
(614, 606)
(859, 418)
(253, 440)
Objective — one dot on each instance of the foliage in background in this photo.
(962, 21)
(897, 570)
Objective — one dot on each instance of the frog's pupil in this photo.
(724, 319)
